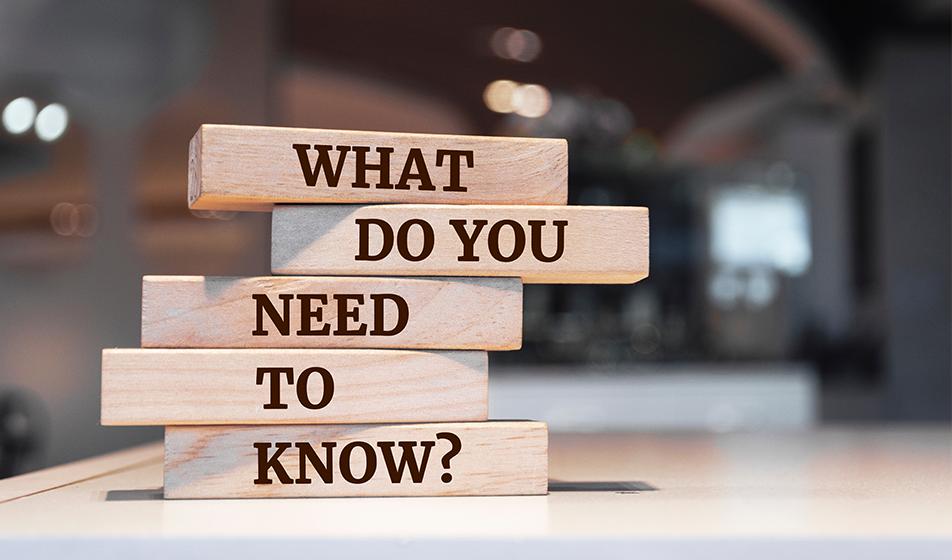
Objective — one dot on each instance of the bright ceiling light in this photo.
(18, 115)
(498, 96)
(531, 100)
(520, 45)
(52, 121)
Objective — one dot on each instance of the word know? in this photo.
(350, 309)
(366, 453)
(470, 234)
(414, 168)
(500, 458)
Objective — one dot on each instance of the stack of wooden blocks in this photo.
(365, 373)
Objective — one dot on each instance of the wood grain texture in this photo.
(252, 167)
(62, 476)
(219, 312)
(495, 458)
(601, 245)
(219, 386)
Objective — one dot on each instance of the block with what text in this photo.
(251, 168)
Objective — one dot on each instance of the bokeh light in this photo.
(520, 45)
(18, 115)
(52, 122)
(498, 96)
(531, 100)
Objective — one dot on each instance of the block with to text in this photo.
(284, 386)
(539, 244)
(437, 459)
(331, 312)
(253, 167)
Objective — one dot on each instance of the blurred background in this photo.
(795, 156)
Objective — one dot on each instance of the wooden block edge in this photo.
(510, 343)
(638, 273)
(198, 199)
(107, 419)
(195, 168)
(541, 490)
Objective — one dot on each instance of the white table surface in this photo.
(870, 493)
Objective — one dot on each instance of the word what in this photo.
(414, 167)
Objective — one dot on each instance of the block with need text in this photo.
(285, 386)
(432, 459)
(331, 312)
(253, 167)
(539, 244)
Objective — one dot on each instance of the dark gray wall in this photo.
(914, 226)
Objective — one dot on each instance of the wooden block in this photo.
(540, 244)
(253, 167)
(491, 458)
(219, 386)
(331, 312)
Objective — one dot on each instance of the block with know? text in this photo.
(285, 386)
(436, 459)
(539, 244)
(253, 167)
(331, 312)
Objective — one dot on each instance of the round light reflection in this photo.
(18, 115)
(498, 96)
(520, 45)
(52, 121)
(531, 100)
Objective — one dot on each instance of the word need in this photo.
(347, 313)
(331, 312)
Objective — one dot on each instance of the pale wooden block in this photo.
(252, 167)
(219, 386)
(221, 312)
(540, 244)
(493, 458)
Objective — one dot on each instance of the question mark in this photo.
(454, 450)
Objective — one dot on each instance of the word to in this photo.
(274, 376)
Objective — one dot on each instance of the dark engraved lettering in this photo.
(519, 240)
(332, 176)
(536, 234)
(415, 160)
(382, 167)
(454, 156)
(370, 466)
(468, 239)
(266, 463)
(281, 321)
